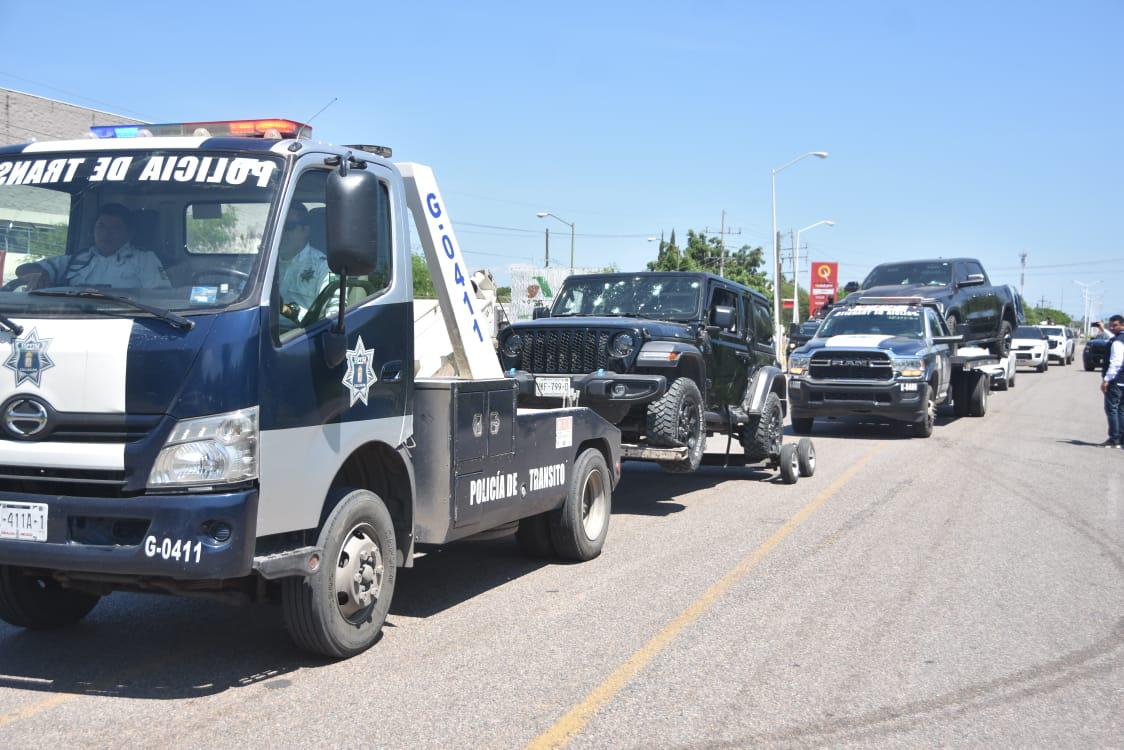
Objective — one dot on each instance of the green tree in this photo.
(1039, 315)
(423, 282)
(218, 235)
(46, 241)
(744, 265)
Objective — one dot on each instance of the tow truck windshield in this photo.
(888, 320)
(154, 232)
(658, 297)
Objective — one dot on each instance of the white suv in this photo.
(1002, 374)
(1061, 344)
(1030, 347)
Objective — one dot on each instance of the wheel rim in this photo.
(595, 505)
(811, 458)
(776, 430)
(689, 431)
(794, 463)
(931, 412)
(359, 573)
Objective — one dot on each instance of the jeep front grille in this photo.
(839, 365)
(565, 350)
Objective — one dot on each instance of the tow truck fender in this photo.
(767, 380)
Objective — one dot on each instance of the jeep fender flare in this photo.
(766, 380)
(676, 356)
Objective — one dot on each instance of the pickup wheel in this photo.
(789, 464)
(803, 425)
(1044, 366)
(339, 610)
(39, 602)
(676, 420)
(578, 530)
(762, 434)
(533, 536)
(1001, 347)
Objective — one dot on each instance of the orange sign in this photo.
(824, 286)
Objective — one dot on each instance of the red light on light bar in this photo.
(273, 128)
(285, 128)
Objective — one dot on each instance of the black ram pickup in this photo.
(959, 288)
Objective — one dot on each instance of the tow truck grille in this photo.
(851, 366)
(565, 350)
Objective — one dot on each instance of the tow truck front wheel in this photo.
(39, 602)
(339, 610)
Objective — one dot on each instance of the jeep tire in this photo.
(761, 437)
(676, 420)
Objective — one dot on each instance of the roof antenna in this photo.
(307, 124)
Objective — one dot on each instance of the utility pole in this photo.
(722, 232)
(548, 247)
(1022, 273)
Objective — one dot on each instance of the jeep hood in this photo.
(655, 328)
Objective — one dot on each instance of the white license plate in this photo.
(909, 387)
(24, 521)
(552, 387)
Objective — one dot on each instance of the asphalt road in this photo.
(967, 589)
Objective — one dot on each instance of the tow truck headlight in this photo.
(222, 449)
(622, 345)
(513, 347)
(798, 365)
(909, 368)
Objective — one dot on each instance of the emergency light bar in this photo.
(275, 129)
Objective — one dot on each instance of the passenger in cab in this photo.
(302, 268)
(111, 261)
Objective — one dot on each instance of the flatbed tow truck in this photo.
(886, 357)
(228, 407)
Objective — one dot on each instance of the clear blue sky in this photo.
(982, 129)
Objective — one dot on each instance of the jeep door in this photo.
(730, 352)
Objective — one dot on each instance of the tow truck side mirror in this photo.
(352, 203)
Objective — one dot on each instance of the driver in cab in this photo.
(111, 261)
(302, 268)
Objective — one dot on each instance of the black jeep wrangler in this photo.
(668, 357)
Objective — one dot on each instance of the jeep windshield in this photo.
(925, 273)
(887, 320)
(658, 297)
(116, 232)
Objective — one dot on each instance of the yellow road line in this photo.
(31, 709)
(576, 719)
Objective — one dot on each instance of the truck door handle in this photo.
(391, 372)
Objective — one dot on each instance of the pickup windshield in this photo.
(926, 273)
(172, 230)
(888, 320)
(657, 297)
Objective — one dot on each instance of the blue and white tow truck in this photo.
(207, 384)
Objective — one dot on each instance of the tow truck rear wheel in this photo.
(39, 602)
(977, 399)
(534, 536)
(579, 529)
(339, 610)
(789, 464)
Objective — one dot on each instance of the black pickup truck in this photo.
(960, 290)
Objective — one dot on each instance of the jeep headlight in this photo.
(798, 364)
(513, 347)
(221, 449)
(909, 368)
(622, 345)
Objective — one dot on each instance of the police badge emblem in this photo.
(359, 378)
(28, 358)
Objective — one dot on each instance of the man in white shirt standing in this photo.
(1112, 384)
(111, 261)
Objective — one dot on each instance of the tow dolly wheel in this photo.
(339, 610)
(789, 464)
(39, 602)
(806, 457)
(579, 528)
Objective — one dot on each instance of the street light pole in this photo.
(796, 268)
(777, 253)
(544, 214)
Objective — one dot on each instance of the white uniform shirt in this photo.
(128, 267)
(303, 277)
(1115, 360)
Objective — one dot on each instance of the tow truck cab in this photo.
(216, 394)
